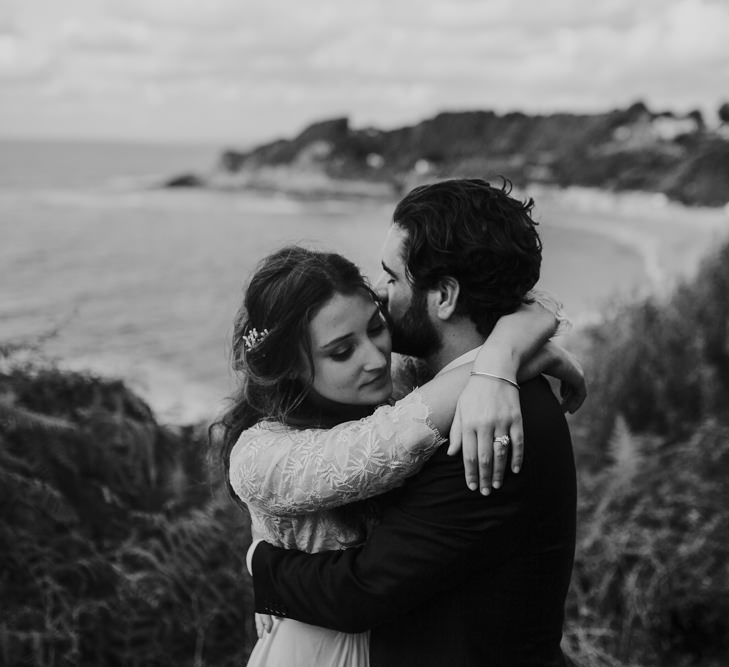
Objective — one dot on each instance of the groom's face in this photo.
(412, 329)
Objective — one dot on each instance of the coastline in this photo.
(174, 354)
(671, 239)
(670, 245)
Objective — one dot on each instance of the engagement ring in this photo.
(501, 442)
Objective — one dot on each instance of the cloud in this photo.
(382, 62)
(104, 35)
(23, 59)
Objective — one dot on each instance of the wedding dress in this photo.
(293, 481)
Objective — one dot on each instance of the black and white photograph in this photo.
(364, 334)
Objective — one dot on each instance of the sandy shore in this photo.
(671, 239)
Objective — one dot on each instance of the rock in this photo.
(185, 181)
(704, 178)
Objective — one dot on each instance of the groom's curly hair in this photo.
(478, 234)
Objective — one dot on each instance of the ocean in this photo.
(129, 280)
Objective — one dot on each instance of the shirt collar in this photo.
(466, 358)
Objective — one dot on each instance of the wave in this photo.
(131, 194)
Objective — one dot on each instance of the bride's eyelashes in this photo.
(342, 355)
(375, 331)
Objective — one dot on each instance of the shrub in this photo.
(651, 578)
(120, 547)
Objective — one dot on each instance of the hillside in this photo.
(630, 149)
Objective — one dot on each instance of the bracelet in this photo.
(496, 377)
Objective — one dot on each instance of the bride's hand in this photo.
(264, 623)
(487, 408)
(557, 362)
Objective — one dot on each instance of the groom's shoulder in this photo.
(539, 402)
(543, 420)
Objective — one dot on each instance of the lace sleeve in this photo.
(554, 306)
(290, 471)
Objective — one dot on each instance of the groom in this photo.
(448, 576)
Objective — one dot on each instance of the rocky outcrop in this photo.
(185, 181)
(623, 149)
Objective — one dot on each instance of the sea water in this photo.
(129, 280)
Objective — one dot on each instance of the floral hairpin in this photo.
(253, 338)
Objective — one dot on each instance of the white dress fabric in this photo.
(293, 479)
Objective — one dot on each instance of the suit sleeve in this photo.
(429, 540)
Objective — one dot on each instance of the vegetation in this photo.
(121, 547)
(651, 579)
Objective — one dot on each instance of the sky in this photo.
(242, 72)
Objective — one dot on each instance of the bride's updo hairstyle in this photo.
(271, 351)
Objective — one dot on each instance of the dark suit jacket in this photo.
(450, 577)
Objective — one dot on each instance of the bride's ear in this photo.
(446, 298)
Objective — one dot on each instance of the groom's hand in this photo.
(486, 409)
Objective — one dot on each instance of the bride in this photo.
(314, 432)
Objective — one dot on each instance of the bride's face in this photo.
(350, 347)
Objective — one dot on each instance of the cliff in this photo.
(630, 149)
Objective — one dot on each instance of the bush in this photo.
(120, 546)
(651, 578)
(661, 364)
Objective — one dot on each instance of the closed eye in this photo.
(342, 355)
(377, 329)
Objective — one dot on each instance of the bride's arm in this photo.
(489, 405)
(290, 471)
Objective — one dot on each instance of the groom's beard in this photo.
(413, 333)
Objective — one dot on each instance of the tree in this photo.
(698, 117)
(724, 112)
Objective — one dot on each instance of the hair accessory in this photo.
(496, 377)
(253, 338)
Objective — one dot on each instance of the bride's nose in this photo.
(376, 358)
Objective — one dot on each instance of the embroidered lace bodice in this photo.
(293, 479)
